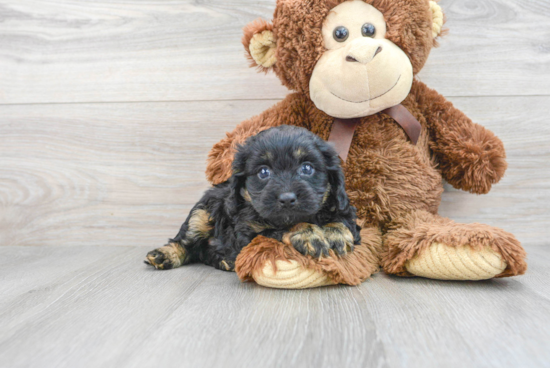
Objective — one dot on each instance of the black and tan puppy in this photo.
(287, 184)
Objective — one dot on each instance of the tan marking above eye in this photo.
(267, 156)
(298, 153)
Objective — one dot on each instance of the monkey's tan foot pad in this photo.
(290, 275)
(274, 264)
(443, 262)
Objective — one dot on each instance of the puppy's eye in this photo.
(264, 173)
(340, 34)
(307, 170)
(368, 30)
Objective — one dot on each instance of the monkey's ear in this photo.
(438, 18)
(260, 44)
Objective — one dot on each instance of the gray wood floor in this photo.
(101, 307)
(107, 112)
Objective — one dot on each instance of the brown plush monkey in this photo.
(348, 62)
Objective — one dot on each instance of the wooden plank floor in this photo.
(107, 111)
(165, 50)
(101, 307)
(128, 173)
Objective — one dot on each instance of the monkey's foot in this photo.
(431, 246)
(290, 275)
(444, 262)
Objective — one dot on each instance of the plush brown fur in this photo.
(351, 269)
(395, 186)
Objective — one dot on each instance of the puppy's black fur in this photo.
(282, 177)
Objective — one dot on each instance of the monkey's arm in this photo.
(289, 111)
(470, 156)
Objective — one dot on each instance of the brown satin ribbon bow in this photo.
(343, 129)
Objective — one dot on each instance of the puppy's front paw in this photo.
(308, 239)
(338, 237)
(227, 265)
(165, 258)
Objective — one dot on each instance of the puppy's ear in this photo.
(338, 188)
(336, 177)
(233, 202)
(236, 182)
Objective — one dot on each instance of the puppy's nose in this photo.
(287, 199)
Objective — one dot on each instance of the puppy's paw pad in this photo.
(338, 237)
(159, 260)
(167, 257)
(226, 265)
(308, 239)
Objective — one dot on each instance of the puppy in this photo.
(287, 184)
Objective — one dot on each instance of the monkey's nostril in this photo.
(378, 50)
(351, 59)
(287, 199)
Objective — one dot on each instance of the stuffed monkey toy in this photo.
(351, 66)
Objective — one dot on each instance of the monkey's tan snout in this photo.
(363, 50)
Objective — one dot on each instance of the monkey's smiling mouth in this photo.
(374, 98)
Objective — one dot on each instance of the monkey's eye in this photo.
(307, 170)
(340, 34)
(264, 173)
(368, 30)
